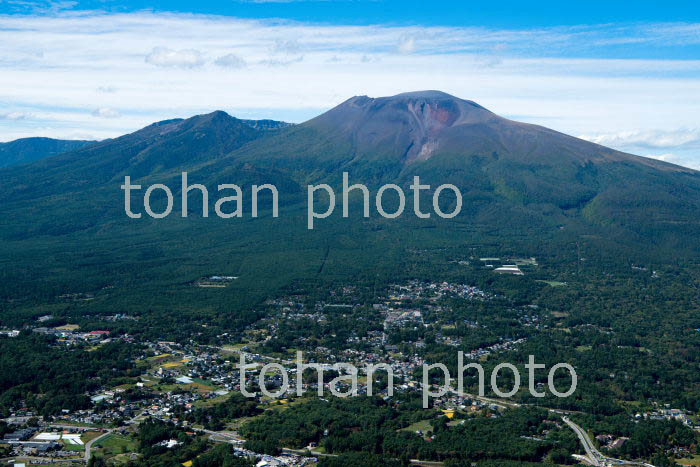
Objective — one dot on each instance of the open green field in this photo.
(423, 425)
(73, 447)
(90, 435)
(114, 444)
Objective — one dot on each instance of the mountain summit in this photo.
(416, 121)
(422, 124)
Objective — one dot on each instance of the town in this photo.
(389, 335)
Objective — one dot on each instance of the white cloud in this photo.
(16, 116)
(106, 112)
(668, 157)
(231, 61)
(284, 62)
(676, 159)
(407, 45)
(649, 138)
(524, 74)
(165, 57)
(107, 89)
(286, 46)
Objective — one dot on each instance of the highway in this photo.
(593, 456)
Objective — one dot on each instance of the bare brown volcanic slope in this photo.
(416, 126)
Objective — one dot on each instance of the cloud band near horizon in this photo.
(97, 75)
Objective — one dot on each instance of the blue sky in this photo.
(621, 75)
(500, 14)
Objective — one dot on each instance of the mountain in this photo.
(523, 167)
(527, 190)
(164, 147)
(25, 150)
(418, 126)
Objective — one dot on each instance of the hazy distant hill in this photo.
(25, 150)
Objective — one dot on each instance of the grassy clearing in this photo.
(159, 357)
(694, 461)
(212, 402)
(73, 447)
(423, 425)
(173, 364)
(90, 435)
(239, 422)
(114, 444)
(123, 459)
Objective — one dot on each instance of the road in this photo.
(224, 436)
(593, 456)
(88, 445)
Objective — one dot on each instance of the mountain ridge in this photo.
(27, 150)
